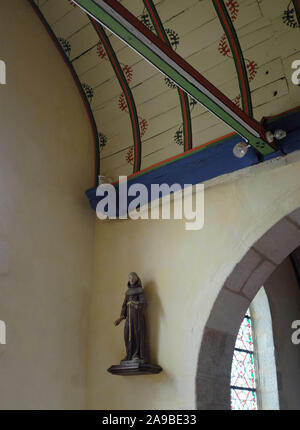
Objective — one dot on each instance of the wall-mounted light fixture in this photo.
(241, 149)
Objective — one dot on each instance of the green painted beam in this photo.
(123, 24)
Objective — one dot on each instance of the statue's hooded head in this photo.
(133, 279)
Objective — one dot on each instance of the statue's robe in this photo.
(133, 310)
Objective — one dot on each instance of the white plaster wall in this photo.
(46, 226)
(183, 273)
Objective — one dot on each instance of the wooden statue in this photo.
(133, 310)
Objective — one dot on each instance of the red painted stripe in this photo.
(125, 91)
(236, 53)
(182, 63)
(186, 124)
(158, 29)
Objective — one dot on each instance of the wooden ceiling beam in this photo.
(128, 28)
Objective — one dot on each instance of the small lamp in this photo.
(240, 149)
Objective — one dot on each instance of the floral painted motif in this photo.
(173, 38)
(237, 100)
(143, 126)
(145, 19)
(252, 68)
(233, 8)
(130, 155)
(128, 72)
(172, 34)
(170, 83)
(178, 136)
(72, 3)
(102, 141)
(66, 45)
(88, 91)
(101, 51)
(289, 16)
(224, 48)
(122, 103)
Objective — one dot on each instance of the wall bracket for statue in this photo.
(136, 361)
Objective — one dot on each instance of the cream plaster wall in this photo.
(46, 226)
(183, 273)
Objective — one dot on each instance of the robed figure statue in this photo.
(133, 311)
(136, 361)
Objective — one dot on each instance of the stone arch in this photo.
(238, 291)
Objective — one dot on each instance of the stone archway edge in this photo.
(240, 288)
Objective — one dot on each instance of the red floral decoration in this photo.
(224, 47)
(100, 50)
(237, 100)
(128, 73)
(122, 103)
(143, 126)
(233, 8)
(252, 68)
(129, 156)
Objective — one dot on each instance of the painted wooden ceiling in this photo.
(129, 97)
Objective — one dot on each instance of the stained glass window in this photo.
(243, 383)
